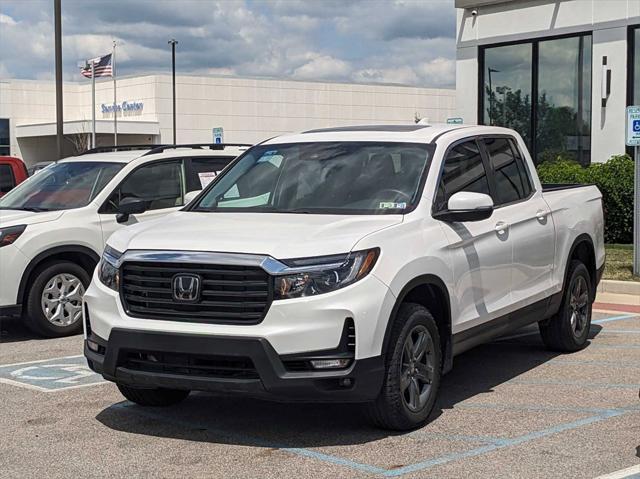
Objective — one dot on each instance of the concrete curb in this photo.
(619, 287)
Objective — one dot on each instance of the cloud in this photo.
(323, 66)
(397, 41)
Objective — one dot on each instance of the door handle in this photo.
(501, 227)
(541, 215)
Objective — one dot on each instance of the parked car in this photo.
(54, 225)
(12, 173)
(347, 264)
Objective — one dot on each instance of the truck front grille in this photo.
(229, 294)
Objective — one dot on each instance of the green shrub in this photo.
(614, 179)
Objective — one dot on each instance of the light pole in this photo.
(173, 42)
(57, 13)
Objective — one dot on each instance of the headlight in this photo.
(108, 271)
(10, 234)
(321, 275)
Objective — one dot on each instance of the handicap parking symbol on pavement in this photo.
(50, 375)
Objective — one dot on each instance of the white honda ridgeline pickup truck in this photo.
(346, 264)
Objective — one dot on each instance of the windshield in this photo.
(61, 186)
(331, 178)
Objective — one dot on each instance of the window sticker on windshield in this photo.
(207, 177)
(392, 205)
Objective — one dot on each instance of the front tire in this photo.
(568, 330)
(413, 371)
(54, 301)
(158, 397)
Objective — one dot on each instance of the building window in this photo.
(541, 89)
(507, 88)
(5, 149)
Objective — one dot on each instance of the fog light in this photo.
(93, 346)
(330, 363)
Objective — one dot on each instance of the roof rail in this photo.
(107, 149)
(201, 146)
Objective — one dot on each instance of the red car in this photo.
(12, 172)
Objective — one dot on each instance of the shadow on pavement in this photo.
(252, 422)
(13, 330)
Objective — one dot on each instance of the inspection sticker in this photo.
(392, 205)
(51, 374)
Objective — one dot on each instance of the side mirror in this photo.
(189, 197)
(131, 206)
(467, 206)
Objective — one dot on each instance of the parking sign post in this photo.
(633, 139)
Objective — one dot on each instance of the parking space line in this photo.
(597, 321)
(614, 318)
(494, 443)
(126, 405)
(502, 444)
(599, 362)
(24, 363)
(550, 382)
(535, 407)
(632, 472)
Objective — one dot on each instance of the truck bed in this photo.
(562, 186)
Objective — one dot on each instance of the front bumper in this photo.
(13, 264)
(358, 383)
(290, 326)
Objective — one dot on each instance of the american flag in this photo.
(102, 67)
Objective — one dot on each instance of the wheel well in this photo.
(583, 251)
(431, 294)
(85, 258)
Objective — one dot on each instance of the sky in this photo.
(389, 41)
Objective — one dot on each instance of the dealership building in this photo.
(248, 110)
(561, 72)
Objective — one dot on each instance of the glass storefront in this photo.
(542, 89)
(507, 88)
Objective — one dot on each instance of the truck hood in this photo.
(21, 217)
(276, 234)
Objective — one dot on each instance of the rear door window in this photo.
(511, 180)
(207, 168)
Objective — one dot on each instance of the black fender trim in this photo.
(38, 259)
(582, 238)
(429, 280)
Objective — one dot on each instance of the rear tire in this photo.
(412, 374)
(159, 397)
(54, 300)
(568, 330)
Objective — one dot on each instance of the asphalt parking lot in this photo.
(509, 409)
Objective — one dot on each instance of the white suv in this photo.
(348, 264)
(53, 227)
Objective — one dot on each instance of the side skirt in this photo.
(536, 312)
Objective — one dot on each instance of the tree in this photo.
(80, 140)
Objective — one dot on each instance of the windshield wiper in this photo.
(304, 211)
(33, 209)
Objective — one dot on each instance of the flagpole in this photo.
(115, 105)
(93, 102)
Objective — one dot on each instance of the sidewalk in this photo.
(606, 301)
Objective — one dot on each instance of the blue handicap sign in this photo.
(50, 375)
(636, 125)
